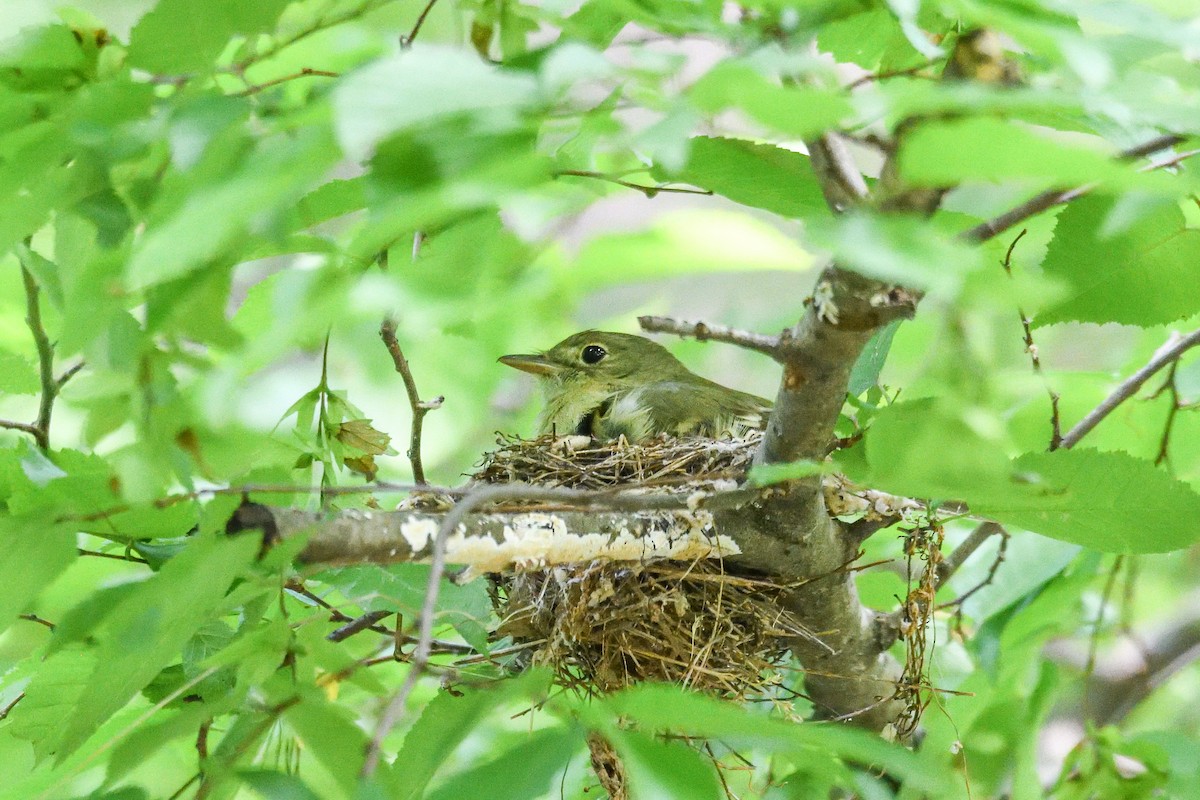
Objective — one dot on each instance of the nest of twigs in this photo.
(603, 625)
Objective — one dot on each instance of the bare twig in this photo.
(1089, 667)
(407, 41)
(24, 427)
(897, 73)
(1053, 197)
(358, 625)
(1168, 353)
(1032, 349)
(45, 352)
(702, 331)
(1170, 387)
(306, 72)
(387, 332)
(991, 573)
(4, 712)
(649, 191)
(35, 618)
(951, 563)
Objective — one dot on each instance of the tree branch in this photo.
(702, 331)
(1053, 197)
(1175, 347)
(387, 332)
(40, 429)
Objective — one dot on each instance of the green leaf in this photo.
(945, 153)
(401, 587)
(215, 218)
(1108, 501)
(272, 785)
(929, 449)
(530, 769)
(759, 175)
(799, 110)
(670, 708)
(904, 250)
(869, 364)
(422, 84)
(1131, 275)
(150, 627)
(187, 35)
(18, 375)
(33, 552)
(444, 723)
(660, 769)
(330, 736)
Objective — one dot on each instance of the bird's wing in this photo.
(696, 409)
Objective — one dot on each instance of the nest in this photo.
(600, 626)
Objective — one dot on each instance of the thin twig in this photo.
(987, 579)
(1053, 197)
(387, 332)
(1171, 388)
(1089, 667)
(1168, 353)
(45, 352)
(951, 563)
(649, 191)
(306, 72)
(4, 712)
(35, 618)
(407, 41)
(358, 625)
(898, 73)
(24, 427)
(702, 331)
(1032, 349)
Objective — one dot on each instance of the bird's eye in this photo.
(592, 354)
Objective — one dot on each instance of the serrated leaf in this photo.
(1133, 277)
(1108, 501)
(760, 175)
(185, 35)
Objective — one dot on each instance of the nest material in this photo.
(600, 626)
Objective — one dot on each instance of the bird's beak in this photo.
(536, 364)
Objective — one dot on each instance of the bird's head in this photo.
(598, 363)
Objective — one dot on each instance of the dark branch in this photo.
(1167, 354)
(306, 72)
(387, 332)
(702, 331)
(45, 352)
(407, 41)
(964, 551)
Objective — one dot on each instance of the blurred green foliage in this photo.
(219, 202)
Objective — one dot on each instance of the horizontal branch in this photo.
(1168, 353)
(704, 332)
(495, 542)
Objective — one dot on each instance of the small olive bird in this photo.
(606, 385)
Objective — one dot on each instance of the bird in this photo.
(607, 385)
